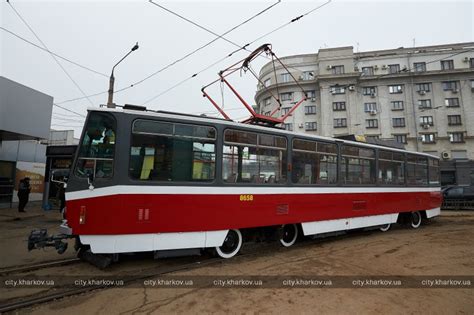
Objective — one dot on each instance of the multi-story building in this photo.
(422, 97)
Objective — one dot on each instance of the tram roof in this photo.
(212, 120)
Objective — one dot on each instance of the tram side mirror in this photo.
(90, 180)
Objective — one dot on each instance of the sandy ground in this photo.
(442, 248)
(14, 230)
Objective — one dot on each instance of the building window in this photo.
(398, 122)
(401, 138)
(285, 110)
(370, 107)
(340, 122)
(337, 70)
(428, 138)
(311, 94)
(454, 120)
(419, 66)
(310, 110)
(310, 126)
(369, 90)
(423, 87)
(288, 126)
(471, 63)
(285, 77)
(456, 137)
(450, 85)
(286, 96)
(447, 65)
(393, 69)
(367, 70)
(459, 154)
(267, 101)
(336, 89)
(394, 89)
(339, 106)
(426, 120)
(267, 82)
(397, 105)
(451, 102)
(371, 123)
(308, 75)
(267, 113)
(424, 104)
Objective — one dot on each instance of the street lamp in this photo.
(110, 103)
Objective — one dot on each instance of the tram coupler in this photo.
(39, 238)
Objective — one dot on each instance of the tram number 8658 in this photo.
(246, 197)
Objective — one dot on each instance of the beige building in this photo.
(422, 96)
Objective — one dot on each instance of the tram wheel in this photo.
(415, 219)
(231, 245)
(386, 227)
(289, 235)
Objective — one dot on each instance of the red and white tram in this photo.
(159, 181)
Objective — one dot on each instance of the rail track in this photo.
(42, 265)
(146, 273)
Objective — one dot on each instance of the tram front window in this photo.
(96, 153)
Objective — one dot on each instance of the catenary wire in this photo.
(194, 75)
(235, 51)
(53, 56)
(68, 110)
(221, 36)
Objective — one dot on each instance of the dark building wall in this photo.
(457, 172)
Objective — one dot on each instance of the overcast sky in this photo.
(96, 34)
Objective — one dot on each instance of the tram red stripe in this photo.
(145, 213)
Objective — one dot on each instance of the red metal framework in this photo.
(255, 118)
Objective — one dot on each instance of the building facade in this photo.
(422, 97)
(25, 119)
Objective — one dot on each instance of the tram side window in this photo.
(391, 168)
(96, 152)
(434, 172)
(253, 158)
(417, 170)
(163, 151)
(314, 162)
(357, 165)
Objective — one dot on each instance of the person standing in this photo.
(24, 189)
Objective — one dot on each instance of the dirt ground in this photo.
(442, 248)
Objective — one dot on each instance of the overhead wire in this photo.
(176, 61)
(186, 56)
(221, 36)
(68, 110)
(45, 47)
(53, 53)
(237, 50)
